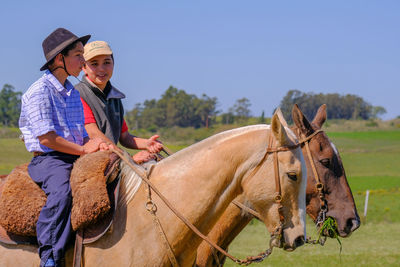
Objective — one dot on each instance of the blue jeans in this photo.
(51, 171)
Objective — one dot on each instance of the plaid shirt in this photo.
(49, 106)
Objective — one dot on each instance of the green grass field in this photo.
(13, 152)
(371, 160)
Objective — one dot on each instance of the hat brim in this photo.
(83, 39)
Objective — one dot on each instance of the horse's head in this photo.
(261, 195)
(329, 168)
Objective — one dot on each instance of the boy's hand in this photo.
(153, 145)
(93, 145)
(108, 146)
(142, 156)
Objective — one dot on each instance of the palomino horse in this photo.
(335, 200)
(200, 181)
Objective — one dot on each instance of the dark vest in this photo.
(107, 108)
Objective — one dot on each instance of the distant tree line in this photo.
(178, 108)
(338, 106)
(174, 108)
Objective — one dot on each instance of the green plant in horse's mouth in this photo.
(330, 228)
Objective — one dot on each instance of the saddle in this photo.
(93, 231)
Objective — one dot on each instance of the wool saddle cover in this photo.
(21, 199)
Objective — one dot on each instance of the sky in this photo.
(256, 49)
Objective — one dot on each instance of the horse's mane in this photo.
(212, 141)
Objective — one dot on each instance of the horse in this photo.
(200, 181)
(327, 195)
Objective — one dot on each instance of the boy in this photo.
(103, 109)
(52, 125)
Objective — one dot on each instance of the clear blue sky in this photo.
(227, 49)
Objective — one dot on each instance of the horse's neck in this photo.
(209, 176)
(201, 182)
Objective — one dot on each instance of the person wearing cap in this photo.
(52, 124)
(104, 113)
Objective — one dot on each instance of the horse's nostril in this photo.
(299, 241)
(353, 224)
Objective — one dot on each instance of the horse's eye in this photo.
(292, 176)
(325, 162)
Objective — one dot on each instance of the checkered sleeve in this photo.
(39, 112)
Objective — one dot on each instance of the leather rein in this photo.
(152, 208)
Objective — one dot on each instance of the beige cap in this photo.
(96, 48)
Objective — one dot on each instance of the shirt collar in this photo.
(56, 83)
(113, 93)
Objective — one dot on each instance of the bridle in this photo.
(319, 186)
(276, 235)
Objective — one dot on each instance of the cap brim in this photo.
(83, 39)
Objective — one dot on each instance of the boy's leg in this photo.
(52, 173)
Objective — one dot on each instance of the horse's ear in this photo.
(279, 131)
(301, 121)
(278, 112)
(320, 117)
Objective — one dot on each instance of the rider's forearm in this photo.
(141, 143)
(56, 142)
(129, 141)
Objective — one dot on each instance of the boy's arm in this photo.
(152, 144)
(56, 142)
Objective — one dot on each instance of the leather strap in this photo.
(78, 249)
(308, 138)
(319, 186)
(152, 208)
(247, 209)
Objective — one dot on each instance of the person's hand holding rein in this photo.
(108, 146)
(95, 144)
(143, 156)
(153, 145)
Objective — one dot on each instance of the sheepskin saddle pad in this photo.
(21, 199)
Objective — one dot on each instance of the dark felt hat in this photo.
(57, 41)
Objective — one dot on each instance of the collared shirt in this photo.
(49, 106)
